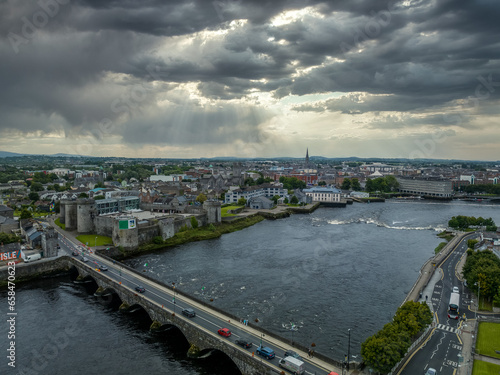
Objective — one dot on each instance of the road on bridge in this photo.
(205, 318)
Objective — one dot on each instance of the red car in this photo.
(224, 332)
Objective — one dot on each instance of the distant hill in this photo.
(5, 154)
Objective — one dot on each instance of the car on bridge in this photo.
(266, 352)
(102, 267)
(140, 289)
(244, 343)
(224, 332)
(75, 253)
(189, 313)
(291, 353)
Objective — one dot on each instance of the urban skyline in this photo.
(247, 79)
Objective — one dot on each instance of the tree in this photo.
(471, 243)
(370, 186)
(322, 183)
(25, 214)
(242, 202)
(36, 186)
(33, 196)
(292, 183)
(392, 183)
(194, 222)
(285, 200)
(386, 348)
(6, 238)
(201, 198)
(294, 200)
(355, 185)
(249, 181)
(275, 199)
(83, 195)
(346, 184)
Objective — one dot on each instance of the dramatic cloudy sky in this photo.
(192, 78)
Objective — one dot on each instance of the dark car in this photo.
(265, 352)
(140, 289)
(102, 267)
(75, 253)
(224, 332)
(189, 313)
(244, 343)
(291, 353)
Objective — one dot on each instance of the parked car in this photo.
(291, 353)
(455, 289)
(431, 371)
(189, 313)
(140, 289)
(244, 343)
(224, 332)
(266, 352)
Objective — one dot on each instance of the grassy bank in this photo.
(198, 234)
(440, 247)
(446, 235)
(59, 224)
(95, 240)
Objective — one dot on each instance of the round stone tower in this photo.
(70, 215)
(213, 208)
(86, 211)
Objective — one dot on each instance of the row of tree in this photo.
(388, 346)
(351, 184)
(482, 269)
(383, 184)
(461, 222)
(480, 189)
(291, 183)
(6, 238)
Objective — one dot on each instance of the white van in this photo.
(31, 258)
(296, 366)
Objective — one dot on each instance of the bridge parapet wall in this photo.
(195, 334)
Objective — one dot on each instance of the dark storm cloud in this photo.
(406, 57)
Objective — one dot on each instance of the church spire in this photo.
(307, 158)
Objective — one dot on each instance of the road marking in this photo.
(447, 328)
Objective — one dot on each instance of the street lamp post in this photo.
(348, 349)
(95, 242)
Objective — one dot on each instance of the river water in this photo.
(326, 272)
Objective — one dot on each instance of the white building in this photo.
(265, 190)
(322, 194)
